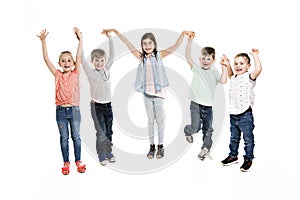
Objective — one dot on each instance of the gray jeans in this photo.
(155, 112)
(201, 118)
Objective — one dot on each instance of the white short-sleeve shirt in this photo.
(241, 95)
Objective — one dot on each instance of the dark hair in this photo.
(244, 55)
(208, 51)
(151, 37)
(97, 53)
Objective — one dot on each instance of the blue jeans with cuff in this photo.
(242, 123)
(69, 117)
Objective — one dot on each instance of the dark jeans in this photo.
(103, 119)
(201, 118)
(69, 117)
(242, 123)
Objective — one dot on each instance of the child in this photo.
(151, 80)
(204, 83)
(241, 99)
(67, 96)
(101, 109)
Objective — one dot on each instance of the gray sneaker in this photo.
(203, 154)
(189, 138)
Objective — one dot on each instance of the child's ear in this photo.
(248, 66)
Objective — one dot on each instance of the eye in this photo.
(69, 60)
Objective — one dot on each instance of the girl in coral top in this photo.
(67, 97)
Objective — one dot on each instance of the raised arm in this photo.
(172, 48)
(42, 36)
(188, 52)
(79, 49)
(224, 74)
(130, 46)
(225, 63)
(111, 49)
(257, 64)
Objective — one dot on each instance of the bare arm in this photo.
(188, 52)
(257, 64)
(79, 49)
(49, 64)
(172, 48)
(130, 46)
(225, 63)
(223, 78)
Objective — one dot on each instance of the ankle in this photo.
(152, 147)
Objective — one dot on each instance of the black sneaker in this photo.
(246, 165)
(229, 160)
(152, 150)
(160, 151)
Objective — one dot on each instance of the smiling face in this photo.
(207, 57)
(66, 61)
(148, 46)
(206, 61)
(148, 43)
(99, 62)
(241, 64)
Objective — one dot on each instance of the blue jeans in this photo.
(69, 117)
(201, 118)
(242, 123)
(155, 112)
(103, 119)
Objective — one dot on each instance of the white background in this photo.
(29, 145)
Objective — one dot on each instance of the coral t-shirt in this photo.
(67, 89)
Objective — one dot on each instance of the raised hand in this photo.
(106, 32)
(254, 51)
(191, 34)
(224, 61)
(77, 33)
(43, 34)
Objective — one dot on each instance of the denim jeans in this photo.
(155, 112)
(103, 119)
(69, 117)
(201, 118)
(242, 123)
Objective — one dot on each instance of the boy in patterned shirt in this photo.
(241, 100)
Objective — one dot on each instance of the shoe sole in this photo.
(232, 163)
(103, 164)
(203, 158)
(244, 170)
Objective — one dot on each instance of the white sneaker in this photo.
(103, 162)
(111, 158)
(189, 139)
(203, 154)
